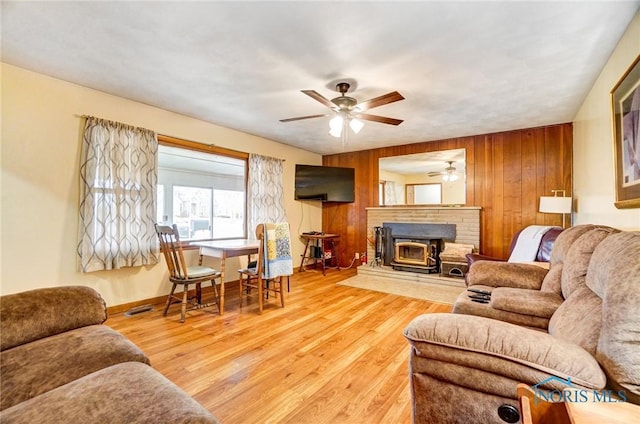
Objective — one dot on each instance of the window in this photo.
(203, 193)
(424, 194)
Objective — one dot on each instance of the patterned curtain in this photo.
(264, 192)
(118, 176)
(390, 193)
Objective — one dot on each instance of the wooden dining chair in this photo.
(251, 278)
(181, 274)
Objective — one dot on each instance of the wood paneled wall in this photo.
(507, 172)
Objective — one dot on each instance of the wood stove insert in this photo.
(416, 254)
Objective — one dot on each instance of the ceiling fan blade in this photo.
(434, 174)
(319, 97)
(381, 119)
(299, 118)
(379, 101)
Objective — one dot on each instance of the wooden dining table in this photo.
(224, 249)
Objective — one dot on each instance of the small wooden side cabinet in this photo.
(316, 249)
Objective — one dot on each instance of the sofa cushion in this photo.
(566, 239)
(39, 313)
(578, 319)
(127, 393)
(578, 256)
(514, 351)
(527, 302)
(465, 305)
(614, 275)
(31, 369)
(561, 247)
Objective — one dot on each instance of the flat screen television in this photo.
(325, 183)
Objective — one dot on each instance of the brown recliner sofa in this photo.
(60, 364)
(526, 294)
(465, 368)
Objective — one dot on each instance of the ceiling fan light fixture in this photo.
(335, 126)
(356, 125)
(450, 177)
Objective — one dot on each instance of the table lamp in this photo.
(556, 204)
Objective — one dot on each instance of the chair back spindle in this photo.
(172, 249)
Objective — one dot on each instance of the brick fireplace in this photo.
(430, 226)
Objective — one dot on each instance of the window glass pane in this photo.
(202, 193)
(192, 212)
(427, 194)
(228, 213)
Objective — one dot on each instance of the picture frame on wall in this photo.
(625, 106)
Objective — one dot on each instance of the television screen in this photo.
(326, 183)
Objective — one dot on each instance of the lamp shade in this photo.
(549, 204)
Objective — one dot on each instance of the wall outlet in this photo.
(357, 255)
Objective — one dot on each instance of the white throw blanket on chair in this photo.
(528, 242)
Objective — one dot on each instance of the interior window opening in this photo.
(202, 193)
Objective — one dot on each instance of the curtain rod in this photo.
(181, 138)
(114, 122)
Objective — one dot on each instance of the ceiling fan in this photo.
(348, 111)
(449, 173)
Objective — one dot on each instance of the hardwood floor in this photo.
(333, 354)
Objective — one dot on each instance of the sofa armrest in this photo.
(475, 257)
(517, 350)
(506, 274)
(528, 302)
(35, 314)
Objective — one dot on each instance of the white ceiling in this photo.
(464, 68)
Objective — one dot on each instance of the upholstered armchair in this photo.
(526, 294)
(465, 368)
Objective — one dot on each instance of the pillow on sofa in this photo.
(35, 314)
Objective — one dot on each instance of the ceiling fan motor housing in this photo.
(344, 102)
(342, 87)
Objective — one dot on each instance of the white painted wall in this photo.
(593, 156)
(41, 132)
